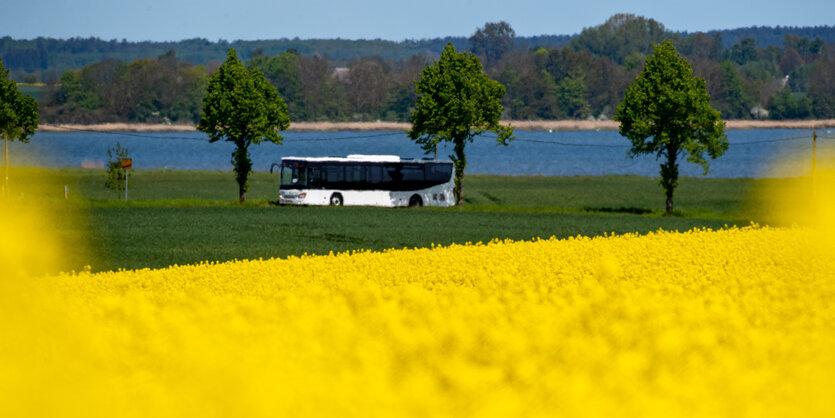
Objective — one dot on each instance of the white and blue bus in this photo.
(365, 180)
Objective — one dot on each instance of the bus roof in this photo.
(360, 158)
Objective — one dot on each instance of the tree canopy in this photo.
(18, 113)
(456, 102)
(666, 111)
(18, 117)
(756, 75)
(241, 107)
(621, 36)
(493, 41)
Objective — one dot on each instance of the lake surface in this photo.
(752, 153)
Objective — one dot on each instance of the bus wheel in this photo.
(415, 201)
(336, 199)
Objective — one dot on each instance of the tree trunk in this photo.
(459, 161)
(669, 202)
(669, 177)
(243, 166)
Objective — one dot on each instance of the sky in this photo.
(397, 20)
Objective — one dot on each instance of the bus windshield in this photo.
(293, 174)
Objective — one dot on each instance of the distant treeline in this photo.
(45, 58)
(765, 36)
(582, 76)
(42, 59)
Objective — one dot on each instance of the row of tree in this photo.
(666, 111)
(161, 90)
(587, 78)
(41, 59)
(584, 79)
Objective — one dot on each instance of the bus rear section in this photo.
(365, 180)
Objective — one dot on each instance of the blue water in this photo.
(752, 153)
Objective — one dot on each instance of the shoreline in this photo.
(545, 125)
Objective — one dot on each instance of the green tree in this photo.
(700, 45)
(605, 84)
(731, 100)
(284, 72)
(457, 102)
(785, 105)
(531, 91)
(743, 52)
(571, 95)
(368, 83)
(493, 41)
(666, 111)
(73, 91)
(822, 88)
(18, 117)
(323, 95)
(402, 95)
(241, 107)
(621, 36)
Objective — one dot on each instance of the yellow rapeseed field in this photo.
(738, 322)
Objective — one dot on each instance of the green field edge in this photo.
(178, 217)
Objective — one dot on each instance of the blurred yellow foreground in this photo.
(730, 323)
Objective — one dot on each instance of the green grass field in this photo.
(179, 217)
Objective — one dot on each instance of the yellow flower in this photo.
(736, 322)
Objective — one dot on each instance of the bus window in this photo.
(335, 175)
(412, 173)
(374, 174)
(387, 174)
(438, 173)
(315, 177)
(355, 174)
(379, 175)
(391, 173)
(292, 174)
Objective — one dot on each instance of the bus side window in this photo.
(391, 173)
(412, 173)
(374, 174)
(354, 175)
(438, 173)
(315, 177)
(394, 172)
(335, 176)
